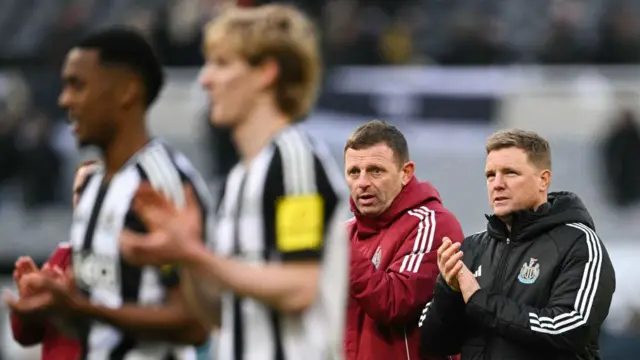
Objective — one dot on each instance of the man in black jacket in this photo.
(541, 281)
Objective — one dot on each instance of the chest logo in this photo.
(110, 219)
(529, 272)
(94, 270)
(376, 257)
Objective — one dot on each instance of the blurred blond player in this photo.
(279, 244)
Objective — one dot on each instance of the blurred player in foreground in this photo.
(280, 244)
(118, 310)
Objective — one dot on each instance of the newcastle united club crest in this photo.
(529, 272)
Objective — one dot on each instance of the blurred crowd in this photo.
(35, 35)
(357, 32)
(482, 32)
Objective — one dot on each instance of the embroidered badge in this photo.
(529, 272)
(110, 219)
(109, 222)
(376, 257)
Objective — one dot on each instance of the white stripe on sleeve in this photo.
(162, 173)
(423, 241)
(427, 239)
(297, 163)
(585, 296)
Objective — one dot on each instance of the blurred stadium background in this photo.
(447, 72)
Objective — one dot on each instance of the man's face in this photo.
(232, 85)
(88, 95)
(375, 178)
(513, 182)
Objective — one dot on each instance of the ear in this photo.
(408, 170)
(128, 87)
(130, 92)
(268, 71)
(545, 180)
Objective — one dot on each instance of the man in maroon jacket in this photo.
(30, 330)
(399, 225)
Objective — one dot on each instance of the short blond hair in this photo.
(273, 32)
(535, 146)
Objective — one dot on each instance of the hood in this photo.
(413, 194)
(561, 208)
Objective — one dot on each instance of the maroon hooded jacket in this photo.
(393, 272)
(55, 346)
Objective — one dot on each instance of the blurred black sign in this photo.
(425, 94)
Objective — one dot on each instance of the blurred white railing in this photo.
(571, 101)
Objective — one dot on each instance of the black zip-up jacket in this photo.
(546, 288)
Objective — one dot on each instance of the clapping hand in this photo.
(24, 266)
(450, 262)
(173, 235)
(52, 290)
(454, 271)
(467, 283)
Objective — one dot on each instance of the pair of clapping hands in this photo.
(42, 291)
(174, 235)
(454, 271)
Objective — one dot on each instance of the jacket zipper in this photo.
(502, 265)
(497, 281)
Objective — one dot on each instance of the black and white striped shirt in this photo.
(103, 211)
(289, 204)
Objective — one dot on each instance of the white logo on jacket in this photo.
(529, 273)
(376, 257)
(478, 272)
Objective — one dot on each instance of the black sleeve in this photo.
(578, 304)
(442, 322)
(299, 202)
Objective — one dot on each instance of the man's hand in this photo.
(24, 266)
(450, 262)
(54, 291)
(467, 282)
(174, 234)
(82, 172)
